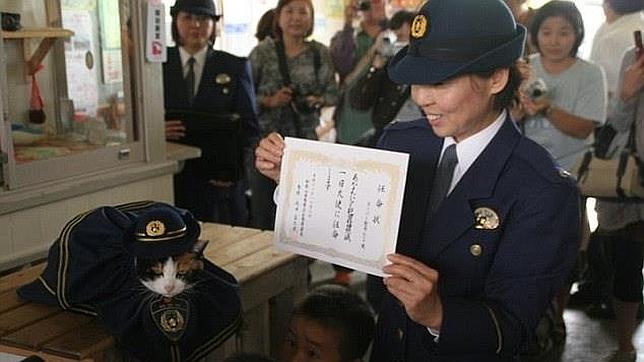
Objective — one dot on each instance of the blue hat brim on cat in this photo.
(161, 232)
(459, 37)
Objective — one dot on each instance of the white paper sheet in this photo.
(339, 203)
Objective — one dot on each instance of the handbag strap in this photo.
(282, 63)
(286, 79)
(629, 150)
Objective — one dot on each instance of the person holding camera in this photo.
(374, 90)
(623, 222)
(612, 39)
(566, 98)
(199, 79)
(294, 78)
(349, 45)
(562, 103)
(351, 50)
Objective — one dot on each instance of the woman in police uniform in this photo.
(198, 78)
(488, 218)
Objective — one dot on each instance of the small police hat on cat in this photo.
(167, 250)
(162, 232)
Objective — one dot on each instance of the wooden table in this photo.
(270, 281)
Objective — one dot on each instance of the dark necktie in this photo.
(443, 178)
(190, 80)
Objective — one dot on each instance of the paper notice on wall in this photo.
(155, 46)
(79, 61)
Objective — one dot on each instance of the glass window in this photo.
(67, 87)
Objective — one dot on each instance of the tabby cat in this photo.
(171, 276)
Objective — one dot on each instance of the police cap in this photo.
(454, 37)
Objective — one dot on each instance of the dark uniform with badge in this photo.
(225, 94)
(501, 240)
(91, 269)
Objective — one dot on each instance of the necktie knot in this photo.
(443, 177)
(450, 157)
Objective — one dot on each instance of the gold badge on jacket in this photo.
(419, 26)
(486, 218)
(222, 78)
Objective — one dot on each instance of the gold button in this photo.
(400, 334)
(476, 249)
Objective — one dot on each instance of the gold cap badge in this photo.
(222, 78)
(419, 26)
(485, 218)
(154, 228)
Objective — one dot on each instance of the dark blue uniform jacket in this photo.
(225, 88)
(494, 283)
(235, 96)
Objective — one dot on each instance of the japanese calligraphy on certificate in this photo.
(339, 203)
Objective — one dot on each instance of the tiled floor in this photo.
(588, 340)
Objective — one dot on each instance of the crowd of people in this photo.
(494, 106)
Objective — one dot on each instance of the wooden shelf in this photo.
(26, 33)
(48, 36)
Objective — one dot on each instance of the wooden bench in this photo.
(270, 282)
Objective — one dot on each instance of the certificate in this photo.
(339, 203)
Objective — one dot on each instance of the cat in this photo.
(171, 276)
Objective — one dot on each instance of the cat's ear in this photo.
(200, 246)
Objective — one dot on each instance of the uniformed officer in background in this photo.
(201, 80)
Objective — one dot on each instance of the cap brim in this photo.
(199, 10)
(162, 249)
(405, 68)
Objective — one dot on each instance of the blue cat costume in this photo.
(91, 270)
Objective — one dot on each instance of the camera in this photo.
(10, 21)
(536, 89)
(302, 106)
(364, 5)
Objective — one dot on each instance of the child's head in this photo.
(331, 324)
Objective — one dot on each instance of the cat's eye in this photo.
(181, 274)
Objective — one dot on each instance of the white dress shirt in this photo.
(467, 151)
(609, 45)
(200, 62)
